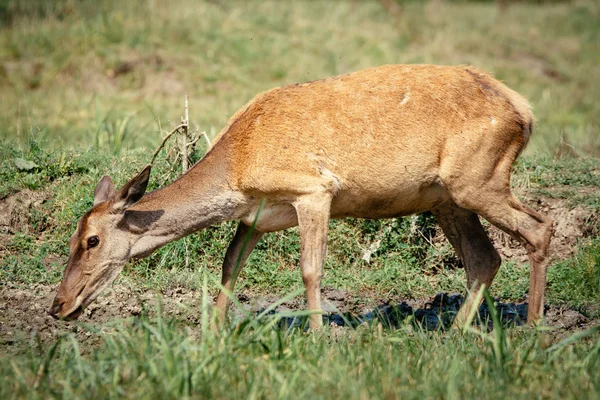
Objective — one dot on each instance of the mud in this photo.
(24, 311)
(24, 318)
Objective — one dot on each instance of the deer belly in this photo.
(388, 203)
(272, 217)
(394, 202)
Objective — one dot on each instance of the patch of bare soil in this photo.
(23, 312)
(16, 215)
(571, 224)
(436, 313)
(15, 211)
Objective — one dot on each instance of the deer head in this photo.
(100, 246)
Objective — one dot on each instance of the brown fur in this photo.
(383, 142)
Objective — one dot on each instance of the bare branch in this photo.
(184, 138)
(194, 141)
(179, 154)
(164, 141)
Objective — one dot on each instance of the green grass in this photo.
(102, 73)
(163, 358)
(576, 282)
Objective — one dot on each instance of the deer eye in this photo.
(93, 241)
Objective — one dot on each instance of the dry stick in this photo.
(205, 137)
(202, 135)
(186, 134)
(193, 142)
(184, 137)
(162, 144)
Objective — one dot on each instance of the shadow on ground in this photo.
(439, 313)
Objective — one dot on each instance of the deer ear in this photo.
(132, 191)
(104, 191)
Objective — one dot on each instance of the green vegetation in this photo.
(88, 88)
(577, 281)
(172, 357)
(162, 358)
(102, 73)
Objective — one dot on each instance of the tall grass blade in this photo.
(499, 342)
(45, 365)
(474, 308)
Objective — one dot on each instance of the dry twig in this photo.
(162, 144)
(184, 137)
(180, 153)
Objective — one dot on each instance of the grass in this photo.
(172, 358)
(101, 73)
(163, 358)
(577, 281)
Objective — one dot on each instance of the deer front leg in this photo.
(313, 221)
(239, 249)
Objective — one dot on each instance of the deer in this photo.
(384, 142)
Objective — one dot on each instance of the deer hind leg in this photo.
(468, 238)
(313, 221)
(245, 240)
(496, 204)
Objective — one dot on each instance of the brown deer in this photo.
(380, 143)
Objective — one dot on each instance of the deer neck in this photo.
(200, 198)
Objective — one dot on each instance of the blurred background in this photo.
(109, 74)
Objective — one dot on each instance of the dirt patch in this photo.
(434, 313)
(16, 211)
(17, 214)
(23, 312)
(570, 225)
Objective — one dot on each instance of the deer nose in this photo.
(56, 307)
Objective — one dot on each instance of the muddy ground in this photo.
(23, 310)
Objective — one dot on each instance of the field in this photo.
(89, 88)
